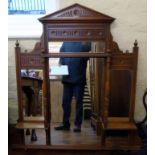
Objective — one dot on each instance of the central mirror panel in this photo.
(66, 72)
(59, 72)
(93, 91)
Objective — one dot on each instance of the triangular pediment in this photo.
(76, 12)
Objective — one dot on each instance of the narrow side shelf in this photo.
(30, 125)
(34, 119)
(120, 123)
(121, 126)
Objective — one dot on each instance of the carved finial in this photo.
(135, 43)
(17, 43)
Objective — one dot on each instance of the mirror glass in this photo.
(32, 94)
(55, 46)
(67, 70)
(60, 80)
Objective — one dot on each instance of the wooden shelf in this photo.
(34, 119)
(86, 140)
(26, 125)
(120, 126)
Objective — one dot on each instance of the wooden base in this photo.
(69, 140)
(69, 152)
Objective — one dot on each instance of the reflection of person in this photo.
(73, 84)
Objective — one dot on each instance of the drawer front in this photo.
(72, 32)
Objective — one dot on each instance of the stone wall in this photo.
(130, 24)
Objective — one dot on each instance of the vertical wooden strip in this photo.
(133, 93)
(47, 113)
(18, 79)
(107, 91)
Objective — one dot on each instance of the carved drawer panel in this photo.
(29, 60)
(124, 61)
(72, 32)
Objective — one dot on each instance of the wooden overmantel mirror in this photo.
(112, 76)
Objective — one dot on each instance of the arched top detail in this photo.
(76, 12)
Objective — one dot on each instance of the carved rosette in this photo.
(76, 12)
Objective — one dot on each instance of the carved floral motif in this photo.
(75, 12)
(28, 60)
(74, 33)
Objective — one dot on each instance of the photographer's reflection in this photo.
(74, 83)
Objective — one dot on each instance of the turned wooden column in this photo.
(106, 97)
